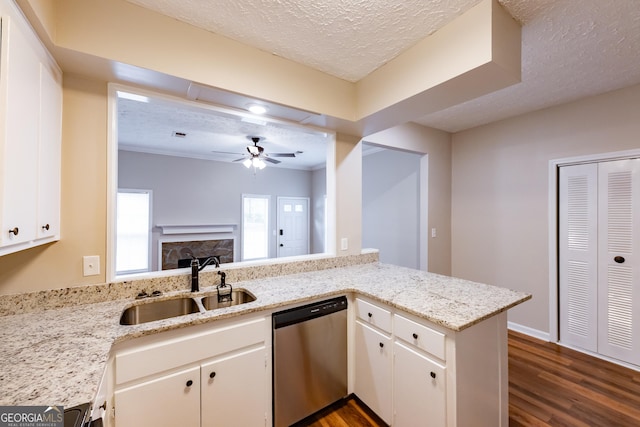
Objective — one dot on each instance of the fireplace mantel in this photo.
(196, 228)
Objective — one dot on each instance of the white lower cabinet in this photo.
(419, 389)
(373, 370)
(412, 372)
(210, 376)
(168, 400)
(233, 390)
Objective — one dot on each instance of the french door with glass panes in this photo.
(599, 266)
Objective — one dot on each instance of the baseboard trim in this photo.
(541, 335)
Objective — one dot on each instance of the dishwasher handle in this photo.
(308, 312)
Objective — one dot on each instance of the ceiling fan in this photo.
(256, 151)
(256, 155)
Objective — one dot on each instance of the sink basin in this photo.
(158, 310)
(238, 296)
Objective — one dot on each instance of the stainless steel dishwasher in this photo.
(309, 359)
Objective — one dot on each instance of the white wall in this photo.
(391, 206)
(193, 191)
(437, 145)
(500, 190)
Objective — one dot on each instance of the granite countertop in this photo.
(58, 356)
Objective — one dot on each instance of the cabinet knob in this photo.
(14, 231)
(212, 374)
(189, 383)
(368, 314)
(619, 259)
(415, 336)
(433, 374)
(381, 345)
(46, 227)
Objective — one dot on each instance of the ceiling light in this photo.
(257, 108)
(256, 162)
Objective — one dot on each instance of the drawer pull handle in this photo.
(619, 259)
(14, 231)
(46, 227)
(189, 383)
(212, 374)
(433, 374)
(415, 336)
(381, 345)
(368, 314)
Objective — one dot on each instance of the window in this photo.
(133, 231)
(255, 227)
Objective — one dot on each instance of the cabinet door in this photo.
(418, 390)
(20, 111)
(373, 370)
(48, 223)
(172, 400)
(234, 390)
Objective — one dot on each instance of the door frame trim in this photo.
(554, 165)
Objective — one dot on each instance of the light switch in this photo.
(91, 265)
(433, 232)
(344, 244)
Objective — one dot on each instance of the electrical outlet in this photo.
(91, 265)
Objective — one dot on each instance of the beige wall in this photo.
(83, 211)
(500, 186)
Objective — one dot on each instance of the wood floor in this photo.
(549, 385)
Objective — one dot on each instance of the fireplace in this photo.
(173, 252)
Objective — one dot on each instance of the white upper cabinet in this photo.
(30, 136)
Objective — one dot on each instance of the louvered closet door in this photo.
(619, 275)
(578, 252)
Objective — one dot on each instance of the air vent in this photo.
(179, 134)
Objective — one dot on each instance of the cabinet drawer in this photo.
(373, 315)
(150, 359)
(420, 336)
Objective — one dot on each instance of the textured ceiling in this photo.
(345, 38)
(213, 134)
(570, 48)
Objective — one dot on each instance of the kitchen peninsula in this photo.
(57, 344)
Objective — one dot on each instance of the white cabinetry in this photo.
(373, 370)
(419, 386)
(412, 372)
(233, 390)
(30, 136)
(208, 377)
(167, 400)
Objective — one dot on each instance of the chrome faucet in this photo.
(195, 270)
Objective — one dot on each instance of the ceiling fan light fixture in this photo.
(257, 108)
(247, 163)
(258, 163)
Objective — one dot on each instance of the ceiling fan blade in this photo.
(274, 161)
(282, 154)
(240, 159)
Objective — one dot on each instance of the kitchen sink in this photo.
(158, 310)
(238, 296)
(168, 308)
